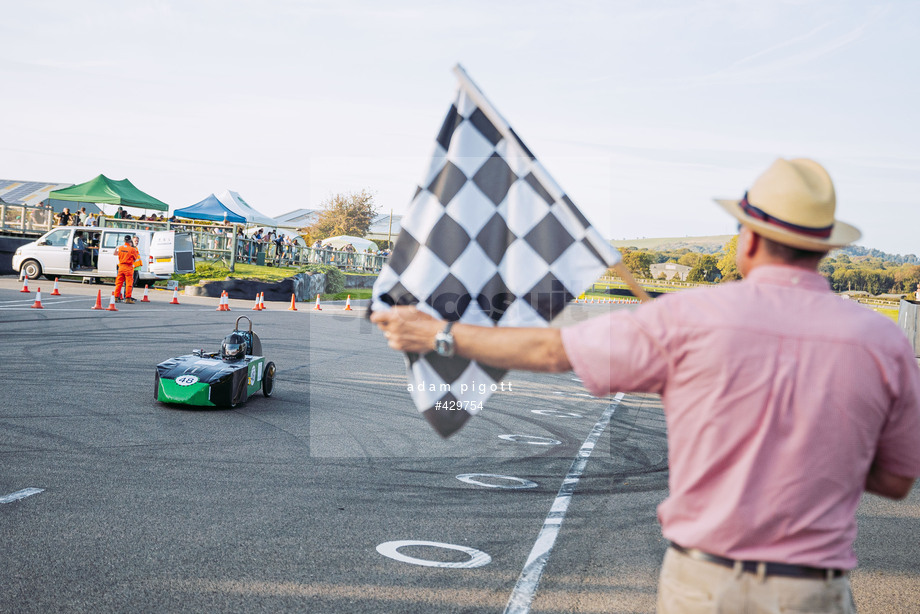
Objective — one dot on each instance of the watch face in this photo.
(444, 344)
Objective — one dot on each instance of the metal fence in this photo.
(25, 219)
(211, 242)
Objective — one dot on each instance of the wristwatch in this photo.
(444, 342)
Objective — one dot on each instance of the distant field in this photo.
(707, 245)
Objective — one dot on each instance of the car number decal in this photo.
(187, 380)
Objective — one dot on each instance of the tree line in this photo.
(853, 268)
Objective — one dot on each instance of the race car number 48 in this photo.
(187, 380)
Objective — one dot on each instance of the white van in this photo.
(163, 253)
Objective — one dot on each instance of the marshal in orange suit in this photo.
(128, 258)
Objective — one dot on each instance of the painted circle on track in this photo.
(557, 413)
(531, 440)
(478, 558)
(470, 478)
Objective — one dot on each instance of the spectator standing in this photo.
(135, 278)
(784, 404)
(279, 248)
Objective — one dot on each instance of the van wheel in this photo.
(31, 269)
(268, 380)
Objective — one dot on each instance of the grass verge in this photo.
(354, 293)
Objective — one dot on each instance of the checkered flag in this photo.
(489, 239)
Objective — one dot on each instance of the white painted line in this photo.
(478, 558)
(574, 394)
(526, 587)
(532, 440)
(555, 412)
(470, 478)
(20, 494)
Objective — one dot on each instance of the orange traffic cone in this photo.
(111, 306)
(256, 306)
(98, 304)
(54, 291)
(293, 306)
(145, 298)
(38, 300)
(226, 301)
(317, 307)
(25, 284)
(262, 301)
(348, 304)
(175, 299)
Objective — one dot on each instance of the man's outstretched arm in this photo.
(528, 349)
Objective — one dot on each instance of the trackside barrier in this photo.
(909, 322)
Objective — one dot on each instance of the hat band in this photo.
(759, 214)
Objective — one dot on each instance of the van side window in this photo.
(58, 238)
(110, 240)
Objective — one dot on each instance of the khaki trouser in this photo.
(689, 586)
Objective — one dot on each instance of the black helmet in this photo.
(233, 347)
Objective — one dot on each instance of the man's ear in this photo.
(748, 242)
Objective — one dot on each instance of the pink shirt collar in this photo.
(788, 276)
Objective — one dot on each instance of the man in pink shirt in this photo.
(783, 404)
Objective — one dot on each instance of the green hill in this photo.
(704, 245)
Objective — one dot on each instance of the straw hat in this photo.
(793, 203)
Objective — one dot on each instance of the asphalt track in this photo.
(282, 504)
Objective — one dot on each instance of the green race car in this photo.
(217, 379)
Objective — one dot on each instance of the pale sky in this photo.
(642, 111)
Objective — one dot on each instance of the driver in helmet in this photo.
(233, 347)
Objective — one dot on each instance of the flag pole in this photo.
(634, 287)
(604, 248)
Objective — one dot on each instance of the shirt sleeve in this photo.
(899, 443)
(619, 352)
